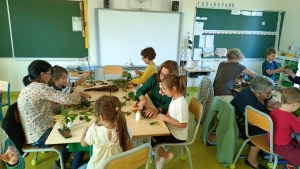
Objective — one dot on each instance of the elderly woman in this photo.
(152, 88)
(228, 71)
(260, 96)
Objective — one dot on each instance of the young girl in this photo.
(177, 116)
(148, 55)
(285, 123)
(59, 80)
(109, 135)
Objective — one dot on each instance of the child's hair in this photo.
(271, 50)
(290, 95)
(171, 65)
(57, 73)
(173, 80)
(149, 53)
(35, 69)
(110, 109)
(234, 54)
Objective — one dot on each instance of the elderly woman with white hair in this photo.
(260, 96)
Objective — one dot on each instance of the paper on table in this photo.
(209, 41)
(197, 54)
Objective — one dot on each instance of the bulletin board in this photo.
(250, 31)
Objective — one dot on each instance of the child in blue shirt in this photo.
(269, 66)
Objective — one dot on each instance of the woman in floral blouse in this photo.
(36, 101)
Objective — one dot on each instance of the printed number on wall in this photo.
(215, 4)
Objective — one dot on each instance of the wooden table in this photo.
(141, 131)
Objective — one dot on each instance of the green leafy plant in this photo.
(86, 114)
(130, 96)
(293, 66)
(127, 113)
(65, 118)
(85, 104)
(297, 113)
(153, 123)
(120, 83)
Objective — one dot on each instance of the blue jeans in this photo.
(41, 142)
(83, 166)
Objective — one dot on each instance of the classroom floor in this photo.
(202, 156)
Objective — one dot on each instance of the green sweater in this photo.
(4, 143)
(152, 88)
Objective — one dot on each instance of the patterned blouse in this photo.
(35, 104)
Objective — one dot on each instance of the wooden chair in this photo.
(263, 121)
(196, 108)
(130, 159)
(13, 127)
(4, 87)
(112, 69)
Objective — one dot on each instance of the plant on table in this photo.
(65, 119)
(293, 66)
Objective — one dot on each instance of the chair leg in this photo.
(36, 156)
(189, 156)
(242, 147)
(25, 154)
(182, 151)
(275, 162)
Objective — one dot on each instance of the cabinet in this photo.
(282, 77)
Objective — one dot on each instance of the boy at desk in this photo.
(270, 66)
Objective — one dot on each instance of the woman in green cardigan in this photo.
(152, 88)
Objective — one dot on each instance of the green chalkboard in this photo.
(5, 42)
(43, 28)
(253, 46)
(221, 19)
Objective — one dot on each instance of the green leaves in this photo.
(153, 123)
(130, 96)
(127, 113)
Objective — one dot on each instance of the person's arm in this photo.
(12, 157)
(273, 103)
(276, 70)
(83, 79)
(292, 77)
(249, 72)
(146, 87)
(172, 121)
(148, 72)
(48, 93)
(82, 140)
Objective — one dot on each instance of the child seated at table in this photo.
(177, 116)
(109, 135)
(59, 80)
(148, 55)
(285, 123)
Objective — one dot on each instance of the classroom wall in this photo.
(13, 70)
(290, 31)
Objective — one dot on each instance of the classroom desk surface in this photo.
(141, 129)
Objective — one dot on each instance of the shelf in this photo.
(287, 58)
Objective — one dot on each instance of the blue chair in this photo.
(4, 87)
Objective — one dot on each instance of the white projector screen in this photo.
(122, 34)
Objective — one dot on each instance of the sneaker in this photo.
(250, 165)
(160, 162)
(169, 157)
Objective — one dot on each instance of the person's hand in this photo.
(130, 82)
(10, 156)
(162, 117)
(288, 71)
(90, 73)
(151, 112)
(84, 95)
(142, 103)
(137, 71)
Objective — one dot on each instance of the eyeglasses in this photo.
(50, 75)
(163, 75)
(270, 93)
